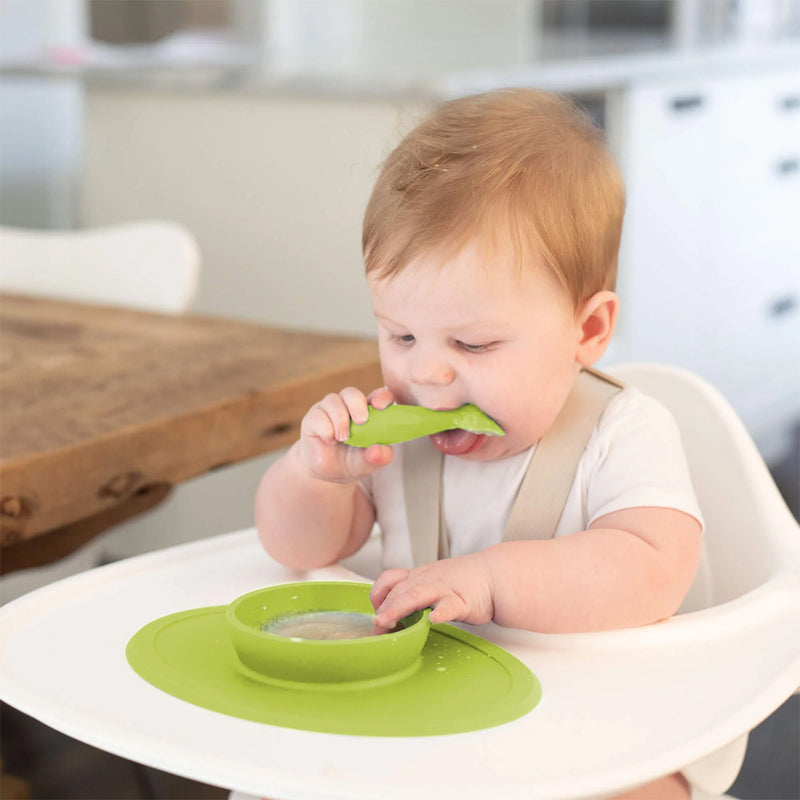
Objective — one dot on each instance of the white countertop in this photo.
(601, 73)
(588, 65)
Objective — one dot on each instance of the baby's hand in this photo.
(457, 588)
(327, 425)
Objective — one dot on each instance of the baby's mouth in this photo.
(457, 442)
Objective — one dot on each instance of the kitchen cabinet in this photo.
(710, 264)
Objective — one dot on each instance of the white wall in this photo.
(274, 188)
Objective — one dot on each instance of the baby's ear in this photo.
(596, 319)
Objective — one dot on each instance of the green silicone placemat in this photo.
(463, 683)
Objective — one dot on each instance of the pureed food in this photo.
(322, 625)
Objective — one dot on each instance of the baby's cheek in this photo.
(397, 387)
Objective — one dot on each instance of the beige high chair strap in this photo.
(544, 489)
(422, 483)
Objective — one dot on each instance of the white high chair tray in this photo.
(617, 709)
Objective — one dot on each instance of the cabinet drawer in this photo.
(710, 268)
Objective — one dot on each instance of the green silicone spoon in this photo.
(399, 423)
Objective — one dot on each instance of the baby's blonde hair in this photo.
(517, 168)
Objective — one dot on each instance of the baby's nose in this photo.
(431, 369)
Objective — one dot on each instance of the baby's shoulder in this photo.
(630, 401)
(633, 415)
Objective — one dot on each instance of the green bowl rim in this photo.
(230, 614)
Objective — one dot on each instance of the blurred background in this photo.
(260, 125)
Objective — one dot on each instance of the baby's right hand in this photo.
(327, 425)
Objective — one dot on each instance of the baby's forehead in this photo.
(465, 290)
(477, 259)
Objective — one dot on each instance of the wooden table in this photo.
(103, 410)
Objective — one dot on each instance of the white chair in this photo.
(151, 265)
(750, 568)
(747, 590)
(752, 540)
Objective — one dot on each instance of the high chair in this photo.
(752, 541)
(618, 709)
(751, 547)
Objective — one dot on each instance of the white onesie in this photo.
(633, 458)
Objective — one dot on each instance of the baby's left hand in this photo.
(456, 588)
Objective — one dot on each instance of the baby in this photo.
(490, 244)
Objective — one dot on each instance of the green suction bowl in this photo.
(324, 662)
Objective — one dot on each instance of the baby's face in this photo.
(468, 331)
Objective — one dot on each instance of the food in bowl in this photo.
(322, 625)
(263, 653)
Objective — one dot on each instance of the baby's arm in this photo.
(632, 567)
(309, 510)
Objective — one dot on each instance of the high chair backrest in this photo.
(151, 265)
(750, 533)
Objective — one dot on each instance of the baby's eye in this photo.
(473, 348)
(407, 338)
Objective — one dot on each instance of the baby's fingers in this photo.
(387, 580)
(356, 403)
(380, 398)
(447, 609)
(379, 455)
(330, 418)
(322, 418)
(404, 599)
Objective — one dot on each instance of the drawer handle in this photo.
(783, 306)
(688, 102)
(788, 166)
(790, 102)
